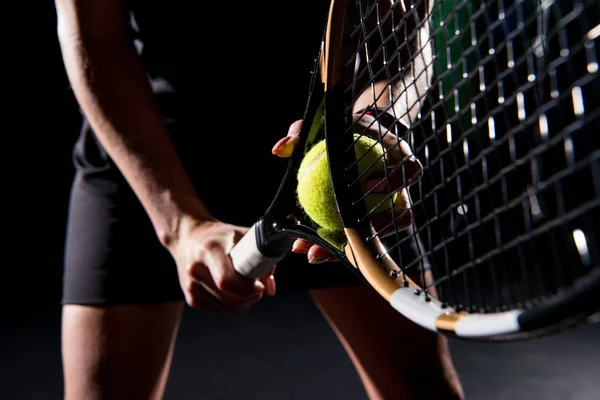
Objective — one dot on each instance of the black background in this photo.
(41, 125)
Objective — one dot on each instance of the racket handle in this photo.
(253, 256)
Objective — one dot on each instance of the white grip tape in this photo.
(247, 258)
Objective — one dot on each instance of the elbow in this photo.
(65, 32)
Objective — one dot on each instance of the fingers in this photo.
(396, 177)
(196, 296)
(301, 246)
(284, 147)
(220, 288)
(269, 282)
(405, 165)
(318, 255)
(404, 168)
(294, 129)
(314, 253)
(398, 218)
(228, 280)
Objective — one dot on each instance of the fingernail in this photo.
(318, 259)
(258, 286)
(295, 247)
(284, 147)
(280, 143)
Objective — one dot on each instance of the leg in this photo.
(118, 352)
(395, 359)
(121, 299)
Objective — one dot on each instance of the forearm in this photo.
(112, 90)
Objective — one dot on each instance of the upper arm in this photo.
(90, 20)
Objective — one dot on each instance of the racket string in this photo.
(503, 135)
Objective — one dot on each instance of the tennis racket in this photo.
(499, 101)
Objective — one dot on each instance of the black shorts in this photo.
(112, 254)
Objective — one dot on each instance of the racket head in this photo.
(501, 212)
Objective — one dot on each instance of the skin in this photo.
(124, 351)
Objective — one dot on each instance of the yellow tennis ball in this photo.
(315, 191)
(335, 237)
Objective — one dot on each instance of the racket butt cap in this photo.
(254, 255)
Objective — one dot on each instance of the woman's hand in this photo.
(405, 170)
(206, 273)
(283, 148)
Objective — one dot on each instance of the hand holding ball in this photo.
(315, 191)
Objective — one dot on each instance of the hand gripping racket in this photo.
(499, 101)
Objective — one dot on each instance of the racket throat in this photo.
(271, 238)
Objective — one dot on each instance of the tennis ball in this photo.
(315, 191)
(334, 237)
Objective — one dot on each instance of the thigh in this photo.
(118, 351)
(394, 357)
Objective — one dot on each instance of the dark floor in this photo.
(296, 356)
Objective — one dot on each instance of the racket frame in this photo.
(271, 237)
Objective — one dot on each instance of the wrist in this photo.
(178, 214)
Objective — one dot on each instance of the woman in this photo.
(150, 224)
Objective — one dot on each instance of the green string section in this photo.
(455, 66)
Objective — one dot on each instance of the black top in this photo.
(220, 54)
